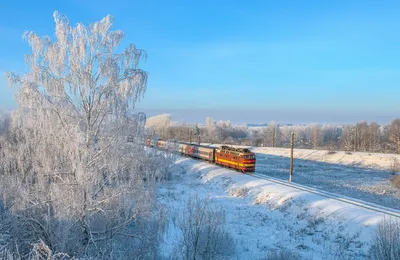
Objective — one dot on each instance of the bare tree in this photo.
(75, 165)
(394, 134)
(362, 136)
(159, 124)
(269, 134)
(374, 137)
(386, 243)
(316, 135)
(211, 129)
(278, 136)
(203, 233)
(347, 138)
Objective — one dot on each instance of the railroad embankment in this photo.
(262, 215)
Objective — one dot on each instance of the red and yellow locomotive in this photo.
(241, 159)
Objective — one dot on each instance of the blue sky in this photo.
(247, 61)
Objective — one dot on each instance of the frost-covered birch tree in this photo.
(76, 161)
(4, 121)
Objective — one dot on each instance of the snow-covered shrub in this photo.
(41, 251)
(331, 148)
(203, 234)
(330, 152)
(239, 192)
(395, 166)
(395, 180)
(6, 254)
(283, 254)
(386, 243)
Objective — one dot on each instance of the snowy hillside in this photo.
(342, 173)
(264, 216)
(381, 161)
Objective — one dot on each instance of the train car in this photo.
(172, 146)
(183, 148)
(197, 151)
(162, 144)
(203, 152)
(148, 142)
(241, 159)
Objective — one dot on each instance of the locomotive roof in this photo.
(233, 149)
(194, 144)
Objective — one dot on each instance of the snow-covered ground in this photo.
(364, 176)
(379, 161)
(264, 216)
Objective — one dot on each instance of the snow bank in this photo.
(264, 216)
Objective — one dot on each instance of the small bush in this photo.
(395, 166)
(386, 243)
(332, 148)
(283, 254)
(204, 236)
(395, 180)
(239, 192)
(330, 152)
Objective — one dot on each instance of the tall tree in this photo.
(75, 117)
(316, 135)
(362, 136)
(394, 134)
(374, 137)
(347, 138)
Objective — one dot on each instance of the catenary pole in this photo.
(291, 156)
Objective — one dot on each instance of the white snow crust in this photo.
(264, 216)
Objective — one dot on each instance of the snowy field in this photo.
(264, 216)
(364, 176)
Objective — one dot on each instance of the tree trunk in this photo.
(4, 200)
(398, 145)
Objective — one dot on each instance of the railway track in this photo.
(345, 199)
(348, 200)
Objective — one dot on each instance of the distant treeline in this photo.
(362, 136)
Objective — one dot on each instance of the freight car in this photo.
(241, 159)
